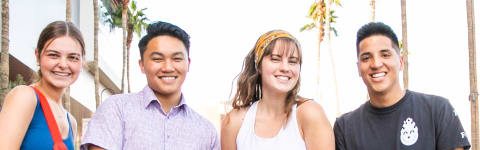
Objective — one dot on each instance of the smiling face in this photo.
(165, 63)
(60, 62)
(280, 70)
(379, 64)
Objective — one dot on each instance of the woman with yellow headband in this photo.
(267, 111)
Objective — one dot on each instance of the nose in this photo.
(284, 66)
(167, 66)
(376, 63)
(62, 63)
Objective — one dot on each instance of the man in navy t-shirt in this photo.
(394, 118)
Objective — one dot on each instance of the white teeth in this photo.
(378, 75)
(167, 78)
(61, 74)
(283, 78)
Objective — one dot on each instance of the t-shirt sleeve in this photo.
(105, 128)
(449, 130)
(339, 134)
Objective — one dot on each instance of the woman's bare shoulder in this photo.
(234, 118)
(22, 94)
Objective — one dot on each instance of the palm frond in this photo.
(337, 2)
(307, 27)
(311, 11)
(135, 18)
(334, 31)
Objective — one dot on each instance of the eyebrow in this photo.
(293, 57)
(51, 50)
(56, 51)
(278, 55)
(385, 50)
(161, 54)
(75, 54)
(178, 53)
(364, 53)
(156, 53)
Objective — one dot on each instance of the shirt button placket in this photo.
(165, 135)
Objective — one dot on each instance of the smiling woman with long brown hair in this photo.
(267, 111)
(33, 115)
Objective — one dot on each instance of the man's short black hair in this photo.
(163, 28)
(377, 28)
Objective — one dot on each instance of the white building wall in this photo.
(83, 90)
(86, 26)
(27, 19)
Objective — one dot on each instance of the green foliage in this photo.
(136, 19)
(400, 45)
(18, 81)
(337, 2)
(307, 27)
(113, 19)
(317, 13)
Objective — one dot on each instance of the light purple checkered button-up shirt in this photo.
(137, 121)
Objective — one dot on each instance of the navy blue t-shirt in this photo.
(418, 122)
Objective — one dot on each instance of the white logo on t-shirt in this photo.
(409, 132)
(463, 134)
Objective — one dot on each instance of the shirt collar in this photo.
(149, 97)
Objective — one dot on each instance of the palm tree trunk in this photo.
(4, 66)
(473, 74)
(404, 44)
(372, 5)
(129, 41)
(68, 16)
(321, 34)
(124, 29)
(329, 45)
(66, 99)
(95, 51)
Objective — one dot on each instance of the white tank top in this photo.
(288, 138)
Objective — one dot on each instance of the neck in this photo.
(386, 99)
(168, 101)
(272, 103)
(49, 91)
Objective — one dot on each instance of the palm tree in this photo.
(68, 18)
(318, 12)
(473, 73)
(68, 15)
(95, 52)
(404, 44)
(117, 18)
(4, 68)
(136, 23)
(124, 31)
(332, 62)
(372, 5)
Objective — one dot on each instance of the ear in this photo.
(358, 70)
(140, 63)
(401, 62)
(37, 56)
(188, 64)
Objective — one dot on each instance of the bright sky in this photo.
(224, 31)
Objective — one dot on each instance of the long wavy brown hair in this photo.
(249, 85)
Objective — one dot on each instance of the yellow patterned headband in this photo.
(265, 40)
